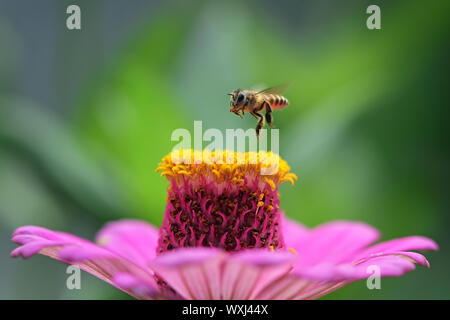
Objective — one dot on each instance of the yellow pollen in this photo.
(271, 248)
(227, 166)
(103, 241)
(293, 250)
(270, 182)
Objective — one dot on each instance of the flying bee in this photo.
(254, 102)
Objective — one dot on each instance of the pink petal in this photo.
(206, 273)
(194, 273)
(389, 264)
(401, 244)
(317, 290)
(334, 242)
(139, 287)
(313, 282)
(293, 232)
(292, 287)
(70, 249)
(336, 253)
(326, 272)
(247, 273)
(132, 239)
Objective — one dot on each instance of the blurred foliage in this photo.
(128, 115)
(366, 131)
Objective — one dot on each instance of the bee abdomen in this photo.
(277, 101)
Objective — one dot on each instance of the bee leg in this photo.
(269, 116)
(260, 122)
(238, 114)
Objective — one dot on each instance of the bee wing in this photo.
(278, 89)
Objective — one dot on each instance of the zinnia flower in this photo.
(224, 236)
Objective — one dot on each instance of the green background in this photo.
(85, 117)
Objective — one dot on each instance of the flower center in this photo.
(229, 206)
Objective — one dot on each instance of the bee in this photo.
(254, 102)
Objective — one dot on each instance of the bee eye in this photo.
(240, 97)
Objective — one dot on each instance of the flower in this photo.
(225, 237)
(215, 204)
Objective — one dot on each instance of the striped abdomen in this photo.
(276, 101)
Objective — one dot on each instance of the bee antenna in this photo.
(229, 94)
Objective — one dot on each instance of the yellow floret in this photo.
(226, 166)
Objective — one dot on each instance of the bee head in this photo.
(237, 99)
